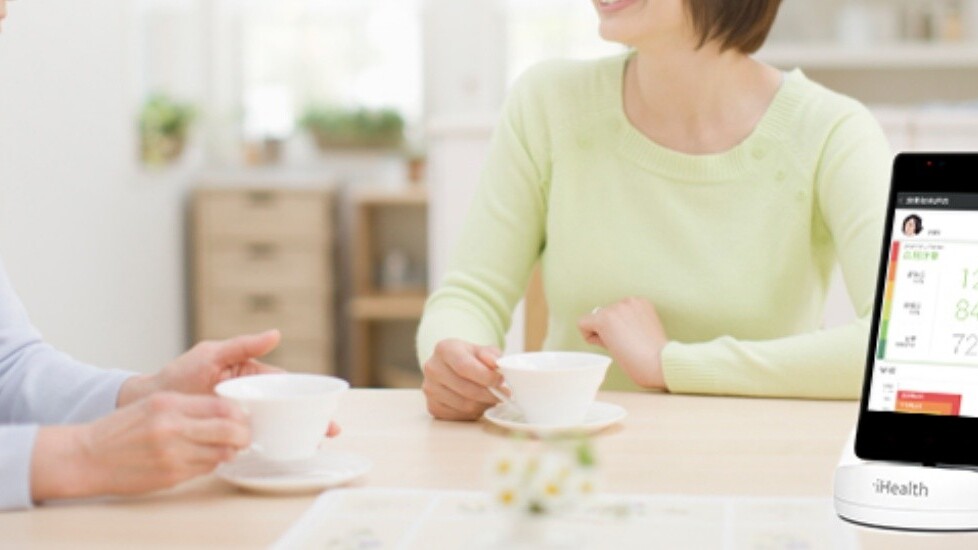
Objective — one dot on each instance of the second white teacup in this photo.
(554, 388)
(289, 413)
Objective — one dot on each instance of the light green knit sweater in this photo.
(734, 249)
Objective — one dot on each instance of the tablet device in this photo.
(920, 392)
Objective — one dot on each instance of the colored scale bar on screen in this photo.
(944, 404)
(888, 299)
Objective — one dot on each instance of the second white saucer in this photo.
(323, 470)
(598, 417)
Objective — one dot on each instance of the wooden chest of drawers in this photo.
(262, 258)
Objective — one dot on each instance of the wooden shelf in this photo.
(386, 221)
(388, 307)
(416, 195)
(880, 56)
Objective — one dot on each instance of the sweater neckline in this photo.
(730, 164)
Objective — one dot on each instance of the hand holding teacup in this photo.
(462, 381)
(207, 364)
(168, 428)
(457, 379)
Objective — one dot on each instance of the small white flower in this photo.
(583, 484)
(541, 479)
(505, 466)
(548, 486)
(509, 496)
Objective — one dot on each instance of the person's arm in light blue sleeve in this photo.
(16, 449)
(118, 433)
(39, 384)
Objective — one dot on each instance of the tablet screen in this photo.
(920, 392)
(926, 356)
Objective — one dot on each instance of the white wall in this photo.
(464, 57)
(93, 247)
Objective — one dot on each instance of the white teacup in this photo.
(289, 412)
(554, 388)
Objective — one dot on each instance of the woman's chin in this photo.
(614, 31)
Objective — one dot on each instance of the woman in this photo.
(687, 204)
(913, 225)
(72, 430)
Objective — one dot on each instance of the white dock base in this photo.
(905, 496)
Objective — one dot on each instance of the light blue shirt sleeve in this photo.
(39, 385)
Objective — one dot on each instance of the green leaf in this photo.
(585, 454)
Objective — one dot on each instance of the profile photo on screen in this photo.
(912, 225)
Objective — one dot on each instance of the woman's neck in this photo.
(697, 101)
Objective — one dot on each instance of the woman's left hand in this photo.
(632, 333)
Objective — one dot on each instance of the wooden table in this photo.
(668, 444)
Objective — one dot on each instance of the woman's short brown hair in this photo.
(739, 24)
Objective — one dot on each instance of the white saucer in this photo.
(598, 417)
(323, 470)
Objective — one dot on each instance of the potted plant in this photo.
(357, 128)
(163, 127)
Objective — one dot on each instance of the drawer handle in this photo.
(261, 198)
(259, 303)
(261, 251)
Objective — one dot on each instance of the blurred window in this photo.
(256, 65)
(294, 53)
(547, 29)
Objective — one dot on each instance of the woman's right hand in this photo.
(457, 378)
(151, 444)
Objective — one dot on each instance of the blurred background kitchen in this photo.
(172, 170)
